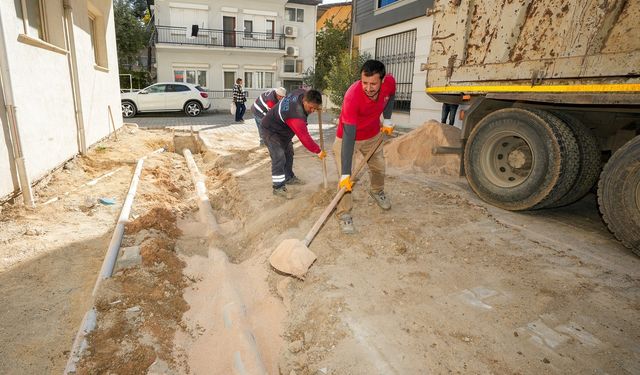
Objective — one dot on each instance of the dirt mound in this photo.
(154, 144)
(140, 310)
(224, 190)
(159, 218)
(96, 163)
(414, 150)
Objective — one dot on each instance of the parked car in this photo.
(165, 97)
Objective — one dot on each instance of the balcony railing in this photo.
(219, 38)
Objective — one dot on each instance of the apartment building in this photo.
(398, 33)
(59, 82)
(267, 43)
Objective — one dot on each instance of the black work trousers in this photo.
(281, 153)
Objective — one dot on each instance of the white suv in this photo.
(164, 97)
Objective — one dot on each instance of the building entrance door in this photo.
(229, 29)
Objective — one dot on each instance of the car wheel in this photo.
(193, 109)
(128, 109)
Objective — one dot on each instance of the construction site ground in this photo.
(441, 283)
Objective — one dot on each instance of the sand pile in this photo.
(414, 150)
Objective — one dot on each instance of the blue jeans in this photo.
(240, 110)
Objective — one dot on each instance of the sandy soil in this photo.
(441, 283)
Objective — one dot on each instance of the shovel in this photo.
(293, 256)
(325, 182)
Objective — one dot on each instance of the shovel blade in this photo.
(292, 257)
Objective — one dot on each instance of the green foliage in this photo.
(131, 32)
(139, 79)
(331, 41)
(345, 70)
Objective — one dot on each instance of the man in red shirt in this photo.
(359, 129)
(279, 125)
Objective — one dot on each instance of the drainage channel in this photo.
(236, 346)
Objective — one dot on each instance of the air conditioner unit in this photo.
(293, 51)
(291, 31)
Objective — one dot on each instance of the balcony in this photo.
(219, 38)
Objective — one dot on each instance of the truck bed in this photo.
(501, 43)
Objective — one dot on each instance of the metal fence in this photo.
(219, 38)
(398, 53)
(223, 94)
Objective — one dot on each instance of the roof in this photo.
(305, 2)
(340, 13)
(327, 6)
(322, 8)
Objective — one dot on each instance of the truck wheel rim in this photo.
(507, 159)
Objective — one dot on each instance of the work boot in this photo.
(346, 224)
(282, 192)
(295, 181)
(381, 199)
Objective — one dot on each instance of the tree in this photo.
(331, 41)
(132, 35)
(345, 69)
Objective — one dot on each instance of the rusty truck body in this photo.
(552, 94)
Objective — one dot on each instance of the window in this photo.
(271, 29)
(295, 14)
(156, 89)
(202, 78)
(248, 29)
(97, 33)
(195, 76)
(94, 40)
(33, 18)
(177, 88)
(41, 21)
(229, 80)
(258, 80)
(384, 3)
(398, 52)
(292, 65)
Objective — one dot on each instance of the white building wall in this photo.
(8, 176)
(423, 108)
(43, 95)
(99, 85)
(218, 59)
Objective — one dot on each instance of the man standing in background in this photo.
(264, 103)
(238, 99)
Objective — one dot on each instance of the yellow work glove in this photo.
(322, 154)
(345, 182)
(387, 127)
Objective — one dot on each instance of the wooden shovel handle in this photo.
(325, 180)
(327, 211)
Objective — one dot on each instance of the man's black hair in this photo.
(313, 96)
(371, 67)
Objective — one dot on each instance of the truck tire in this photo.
(590, 165)
(514, 158)
(570, 158)
(619, 194)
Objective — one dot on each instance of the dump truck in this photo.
(550, 92)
